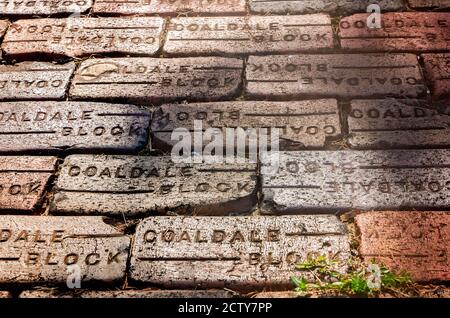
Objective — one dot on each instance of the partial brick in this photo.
(72, 126)
(249, 35)
(279, 294)
(35, 80)
(5, 294)
(390, 123)
(331, 75)
(3, 27)
(134, 185)
(243, 253)
(77, 37)
(23, 181)
(177, 294)
(300, 123)
(147, 80)
(43, 7)
(172, 7)
(429, 4)
(437, 67)
(400, 32)
(415, 242)
(330, 181)
(332, 6)
(39, 249)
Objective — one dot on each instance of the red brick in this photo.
(437, 68)
(23, 181)
(415, 242)
(43, 7)
(401, 32)
(172, 7)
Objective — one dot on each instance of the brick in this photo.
(314, 181)
(38, 249)
(72, 126)
(300, 123)
(393, 123)
(172, 8)
(415, 242)
(3, 27)
(137, 185)
(23, 181)
(437, 67)
(420, 4)
(52, 293)
(249, 35)
(335, 7)
(34, 80)
(243, 253)
(278, 294)
(401, 32)
(5, 294)
(153, 80)
(43, 7)
(77, 37)
(343, 75)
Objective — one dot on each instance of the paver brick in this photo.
(437, 67)
(415, 242)
(420, 4)
(134, 185)
(249, 35)
(400, 32)
(76, 37)
(43, 7)
(238, 252)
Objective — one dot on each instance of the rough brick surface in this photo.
(34, 80)
(358, 75)
(147, 80)
(237, 252)
(51, 293)
(38, 249)
(437, 67)
(420, 4)
(72, 126)
(327, 181)
(84, 36)
(136, 185)
(400, 32)
(43, 7)
(3, 27)
(389, 123)
(332, 6)
(416, 242)
(172, 7)
(253, 34)
(23, 181)
(300, 123)
(5, 294)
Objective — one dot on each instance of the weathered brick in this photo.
(43, 7)
(74, 126)
(437, 67)
(153, 80)
(420, 4)
(23, 181)
(391, 123)
(400, 32)
(247, 35)
(280, 294)
(78, 37)
(238, 252)
(331, 75)
(173, 8)
(3, 27)
(415, 242)
(36, 249)
(34, 80)
(52, 293)
(300, 123)
(319, 181)
(5, 294)
(137, 185)
(332, 6)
